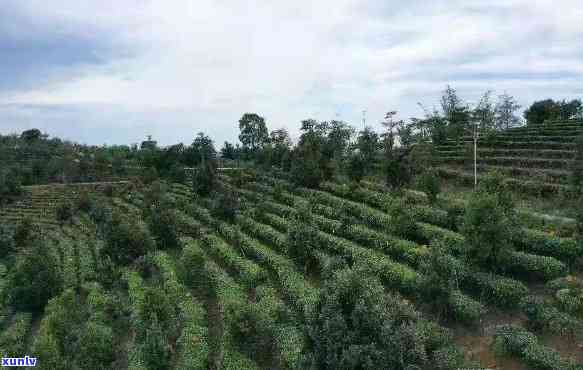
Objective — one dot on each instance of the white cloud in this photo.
(211, 61)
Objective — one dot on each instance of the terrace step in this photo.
(523, 162)
(519, 153)
(540, 175)
(524, 186)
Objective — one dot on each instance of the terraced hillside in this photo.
(242, 293)
(536, 159)
(39, 202)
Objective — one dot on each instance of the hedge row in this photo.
(542, 316)
(274, 321)
(302, 295)
(464, 308)
(264, 233)
(519, 342)
(13, 338)
(565, 249)
(193, 340)
(384, 202)
(501, 291)
(532, 265)
(231, 300)
(248, 272)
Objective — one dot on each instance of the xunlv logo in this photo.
(18, 361)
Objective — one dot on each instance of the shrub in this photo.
(7, 245)
(26, 232)
(542, 316)
(149, 175)
(163, 224)
(64, 212)
(35, 277)
(357, 325)
(487, 230)
(108, 190)
(302, 238)
(577, 170)
(397, 172)
(429, 182)
(356, 168)
(204, 178)
(402, 222)
(126, 240)
(226, 205)
(85, 202)
(520, 342)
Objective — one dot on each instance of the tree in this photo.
(308, 162)
(253, 132)
(201, 150)
(356, 167)
(31, 135)
(391, 126)
(455, 112)
(204, 176)
(488, 230)
(338, 138)
(541, 111)
(228, 151)
(35, 277)
(429, 183)
(505, 109)
(484, 113)
(281, 144)
(163, 224)
(126, 239)
(357, 325)
(368, 146)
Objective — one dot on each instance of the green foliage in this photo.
(306, 168)
(149, 175)
(75, 332)
(402, 220)
(547, 110)
(10, 184)
(543, 317)
(65, 212)
(35, 277)
(226, 204)
(7, 245)
(429, 182)
(487, 229)
(357, 325)
(397, 171)
(356, 168)
(577, 168)
(517, 341)
(442, 276)
(253, 132)
(13, 338)
(302, 237)
(204, 178)
(163, 225)
(126, 239)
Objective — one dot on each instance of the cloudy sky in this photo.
(111, 71)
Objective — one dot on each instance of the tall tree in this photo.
(505, 109)
(228, 151)
(368, 145)
(281, 143)
(541, 111)
(484, 112)
(455, 112)
(253, 132)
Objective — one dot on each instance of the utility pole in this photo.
(363, 119)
